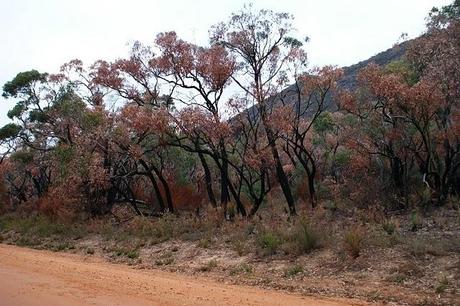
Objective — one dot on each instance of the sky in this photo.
(44, 34)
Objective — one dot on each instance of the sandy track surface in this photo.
(32, 277)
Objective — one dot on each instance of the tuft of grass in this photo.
(269, 242)
(293, 270)
(421, 246)
(62, 246)
(165, 259)
(241, 268)
(405, 271)
(415, 221)
(305, 237)
(131, 253)
(353, 241)
(330, 205)
(443, 284)
(389, 226)
(204, 243)
(239, 246)
(209, 266)
(398, 278)
(90, 251)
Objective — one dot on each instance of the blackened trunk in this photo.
(311, 189)
(396, 170)
(239, 205)
(208, 180)
(165, 185)
(224, 194)
(156, 188)
(280, 174)
(255, 208)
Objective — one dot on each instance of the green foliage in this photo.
(129, 252)
(38, 116)
(92, 120)
(404, 69)
(342, 157)
(183, 161)
(389, 226)
(324, 123)
(22, 82)
(269, 241)
(293, 270)
(65, 154)
(241, 268)
(446, 14)
(304, 238)
(17, 110)
(9, 130)
(293, 42)
(68, 104)
(23, 157)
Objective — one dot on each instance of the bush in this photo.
(165, 259)
(293, 270)
(241, 268)
(40, 226)
(353, 241)
(303, 238)
(269, 242)
(131, 253)
(209, 266)
(416, 221)
(443, 284)
(330, 205)
(389, 226)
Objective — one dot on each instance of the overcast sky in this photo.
(43, 34)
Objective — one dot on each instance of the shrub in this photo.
(90, 251)
(62, 246)
(204, 243)
(131, 253)
(389, 226)
(330, 205)
(293, 270)
(269, 242)
(443, 284)
(302, 239)
(239, 245)
(241, 268)
(415, 220)
(353, 241)
(165, 259)
(209, 266)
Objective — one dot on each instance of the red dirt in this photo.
(32, 277)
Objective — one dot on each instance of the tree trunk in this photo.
(280, 174)
(311, 189)
(149, 174)
(208, 180)
(165, 185)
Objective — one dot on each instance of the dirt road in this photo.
(31, 277)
